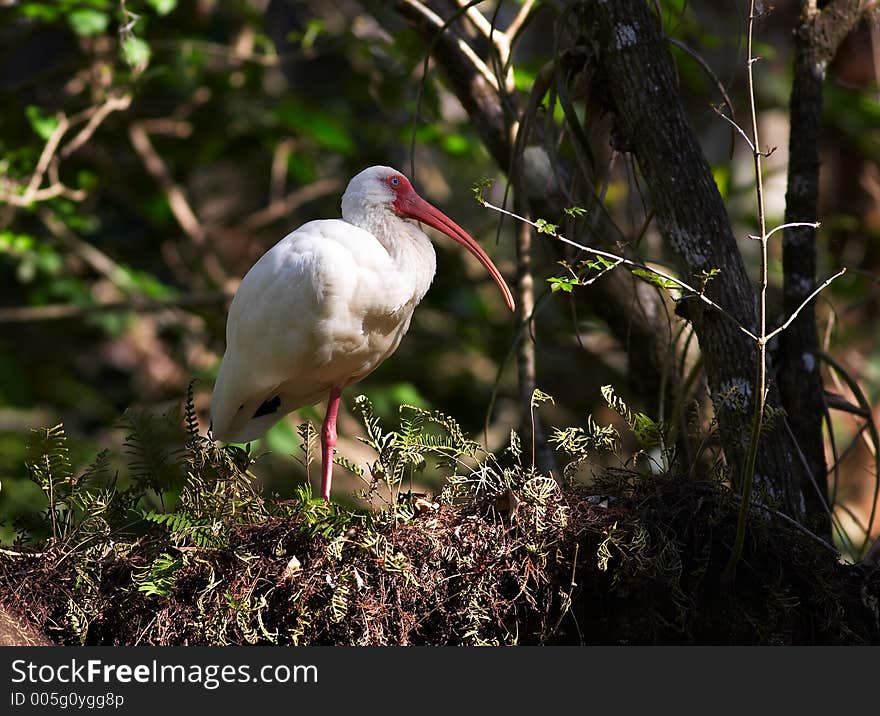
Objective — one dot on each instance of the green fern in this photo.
(191, 419)
(339, 601)
(154, 444)
(187, 529)
(308, 437)
(48, 457)
(647, 432)
(159, 577)
(48, 464)
(580, 442)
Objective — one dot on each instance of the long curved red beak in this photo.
(413, 206)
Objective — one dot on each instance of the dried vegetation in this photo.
(503, 556)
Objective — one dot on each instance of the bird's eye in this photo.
(395, 181)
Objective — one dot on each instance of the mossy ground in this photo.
(634, 559)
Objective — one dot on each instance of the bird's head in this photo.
(383, 189)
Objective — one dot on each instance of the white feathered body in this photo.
(322, 308)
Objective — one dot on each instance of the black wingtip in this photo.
(268, 407)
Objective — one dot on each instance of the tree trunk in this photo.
(816, 41)
(651, 121)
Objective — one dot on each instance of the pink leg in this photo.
(328, 442)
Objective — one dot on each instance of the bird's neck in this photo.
(407, 245)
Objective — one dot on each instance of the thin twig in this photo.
(288, 204)
(736, 127)
(52, 191)
(97, 259)
(278, 171)
(13, 553)
(621, 260)
(760, 390)
(792, 224)
(798, 526)
(156, 166)
(517, 23)
(823, 498)
(58, 311)
(177, 201)
(875, 438)
(466, 50)
(46, 156)
(809, 298)
(96, 116)
(707, 69)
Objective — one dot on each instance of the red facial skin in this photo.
(409, 204)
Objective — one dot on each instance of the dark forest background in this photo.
(186, 137)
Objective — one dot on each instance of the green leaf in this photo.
(42, 124)
(135, 52)
(162, 7)
(478, 187)
(523, 79)
(455, 144)
(87, 22)
(562, 283)
(545, 227)
(39, 11)
(706, 276)
(654, 278)
(722, 177)
(647, 432)
(313, 30)
(575, 211)
(600, 263)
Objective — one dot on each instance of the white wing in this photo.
(323, 307)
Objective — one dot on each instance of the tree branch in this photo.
(60, 311)
(177, 201)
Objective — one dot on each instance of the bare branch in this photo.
(50, 192)
(96, 116)
(736, 127)
(707, 69)
(288, 204)
(621, 260)
(168, 127)
(98, 260)
(465, 49)
(514, 27)
(792, 224)
(835, 401)
(154, 164)
(176, 198)
(278, 171)
(14, 553)
(45, 158)
(59, 311)
(809, 298)
(476, 17)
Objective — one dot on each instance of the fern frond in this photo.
(158, 578)
(48, 457)
(191, 419)
(647, 432)
(150, 442)
(48, 464)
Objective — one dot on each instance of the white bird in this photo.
(326, 305)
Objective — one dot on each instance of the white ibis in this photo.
(326, 305)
